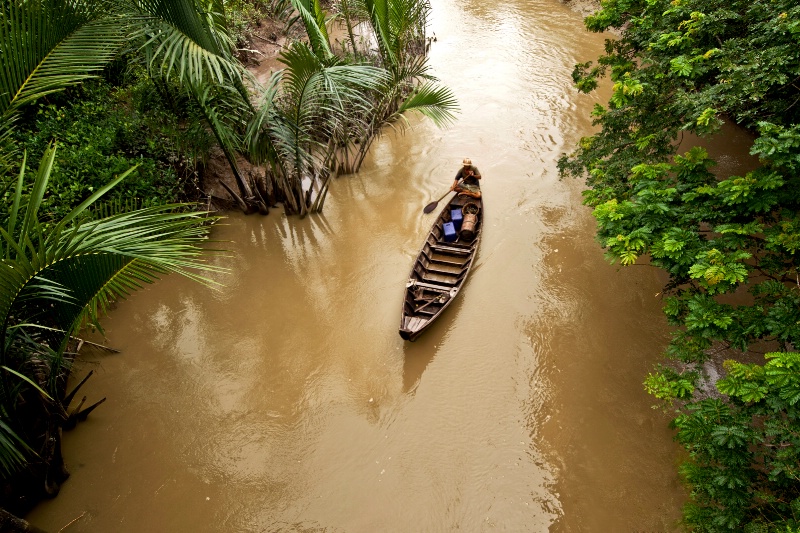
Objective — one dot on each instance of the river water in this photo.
(286, 401)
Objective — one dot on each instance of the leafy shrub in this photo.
(243, 15)
(103, 131)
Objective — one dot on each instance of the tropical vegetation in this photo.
(679, 69)
(57, 275)
(312, 120)
(135, 93)
(318, 116)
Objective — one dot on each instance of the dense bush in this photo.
(243, 15)
(729, 243)
(103, 130)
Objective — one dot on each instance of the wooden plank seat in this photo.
(451, 249)
(456, 260)
(441, 267)
(431, 286)
(442, 279)
(445, 268)
(456, 244)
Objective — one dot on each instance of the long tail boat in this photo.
(442, 265)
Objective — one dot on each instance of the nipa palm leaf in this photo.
(437, 103)
(178, 38)
(47, 45)
(75, 267)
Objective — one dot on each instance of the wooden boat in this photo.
(442, 266)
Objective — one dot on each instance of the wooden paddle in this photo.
(431, 206)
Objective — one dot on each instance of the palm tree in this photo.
(321, 108)
(191, 42)
(408, 88)
(55, 276)
(297, 127)
(399, 30)
(49, 45)
(397, 25)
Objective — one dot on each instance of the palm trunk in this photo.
(348, 23)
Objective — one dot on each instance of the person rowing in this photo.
(467, 180)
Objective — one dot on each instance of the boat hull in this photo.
(441, 266)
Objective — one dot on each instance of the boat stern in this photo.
(412, 327)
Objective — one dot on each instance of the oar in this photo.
(431, 206)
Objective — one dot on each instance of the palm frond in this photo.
(319, 95)
(412, 70)
(379, 18)
(47, 45)
(205, 28)
(437, 103)
(226, 112)
(227, 115)
(9, 151)
(80, 263)
(268, 132)
(407, 20)
(313, 17)
(12, 449)
(180, 39)
(27, 380)
(12, 217)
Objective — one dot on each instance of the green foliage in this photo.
(668, 385)
(322, 102)
(100, 138)
(244, 15)
(187, 49)
(315, 21)
(744, 470)
(46, 46)
(674, 69)
(61, 264)
(41, 62)
(56, 275)
(727, 242)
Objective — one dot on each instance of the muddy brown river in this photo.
(287, 401)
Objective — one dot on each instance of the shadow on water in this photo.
(420, 353)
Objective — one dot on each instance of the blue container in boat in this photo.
(450, 234)
(456, 217)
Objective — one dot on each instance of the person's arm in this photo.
(476, 173)
(459, 174)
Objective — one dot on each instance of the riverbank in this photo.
(266, 39)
